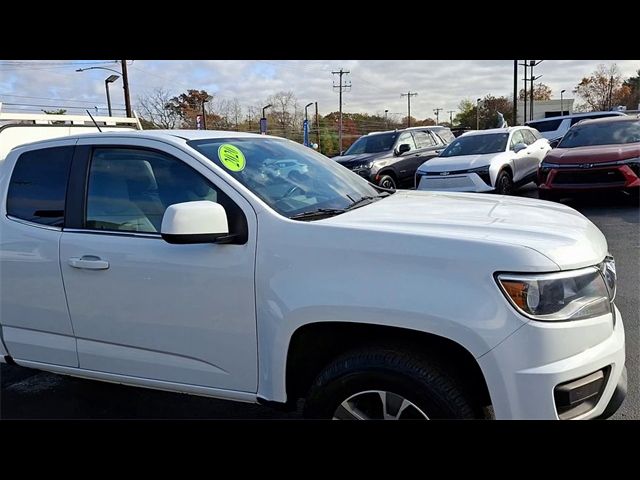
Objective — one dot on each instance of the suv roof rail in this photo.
(48, 119)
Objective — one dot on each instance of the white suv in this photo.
(180, 260)
(499, 159)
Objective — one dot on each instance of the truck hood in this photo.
(593, 154)
(556, 231)
(464, 162)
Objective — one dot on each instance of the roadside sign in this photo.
(263, 126)
(198, 122)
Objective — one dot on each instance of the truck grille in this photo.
(608, 176)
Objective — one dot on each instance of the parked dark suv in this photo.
(390, 159)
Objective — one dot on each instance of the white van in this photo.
(20, 128)
(554, 128)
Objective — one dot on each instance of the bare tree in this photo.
(154, 109)
(236, 112)
(285, 110)
(603, 89)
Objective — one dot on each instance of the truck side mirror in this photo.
(195, 222)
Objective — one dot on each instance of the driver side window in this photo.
(407, 138)
(130, 189)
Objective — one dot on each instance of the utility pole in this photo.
(515, 92)
(610, 91)
(437, 112)
(408, 95)
(341, 86)
(317, 128)
(125, 86)
(532, 64)
(204, 115)
(450, 112)
(524, 102)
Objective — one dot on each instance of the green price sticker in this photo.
(231, 157)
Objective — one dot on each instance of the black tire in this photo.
(387, 181)
(408, 374)
(504, 183)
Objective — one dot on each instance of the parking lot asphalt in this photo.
(30, 394)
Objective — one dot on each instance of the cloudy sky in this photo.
(376, 84)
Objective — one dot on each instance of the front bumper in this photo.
(523, 371)
(576, 180)
(467, 182)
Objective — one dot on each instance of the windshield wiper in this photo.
(366, 200)
(319, 212)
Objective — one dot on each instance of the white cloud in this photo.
(376, 84)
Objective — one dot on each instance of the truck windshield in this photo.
(380, 142)
(290, 178)
(477, 145)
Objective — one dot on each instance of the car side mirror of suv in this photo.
(519, 146)
(403, 148)
(195, 222)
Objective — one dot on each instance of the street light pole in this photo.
(125, 83)
(386, 122)
(107, 81)
(125, 86)
(561, 109)
(478, 114)
(263, 120)
(305, 133)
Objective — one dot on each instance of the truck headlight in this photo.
(571, 295)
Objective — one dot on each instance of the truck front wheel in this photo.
(387, 383)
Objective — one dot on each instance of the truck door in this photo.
(33, 311)
(142, 307)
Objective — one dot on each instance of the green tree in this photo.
(189, 105)
(466, 116)
(489, 108)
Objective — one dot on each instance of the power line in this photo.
(91, 102)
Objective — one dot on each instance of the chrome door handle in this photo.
(88, 262)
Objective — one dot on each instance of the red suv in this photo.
(599, 154)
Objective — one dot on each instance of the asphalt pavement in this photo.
(32, 394)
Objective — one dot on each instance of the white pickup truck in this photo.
(184, 261)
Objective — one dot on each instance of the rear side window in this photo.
(546, 125)
(38, 186)
(446, 135)
(529, 138)
(423, 139)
